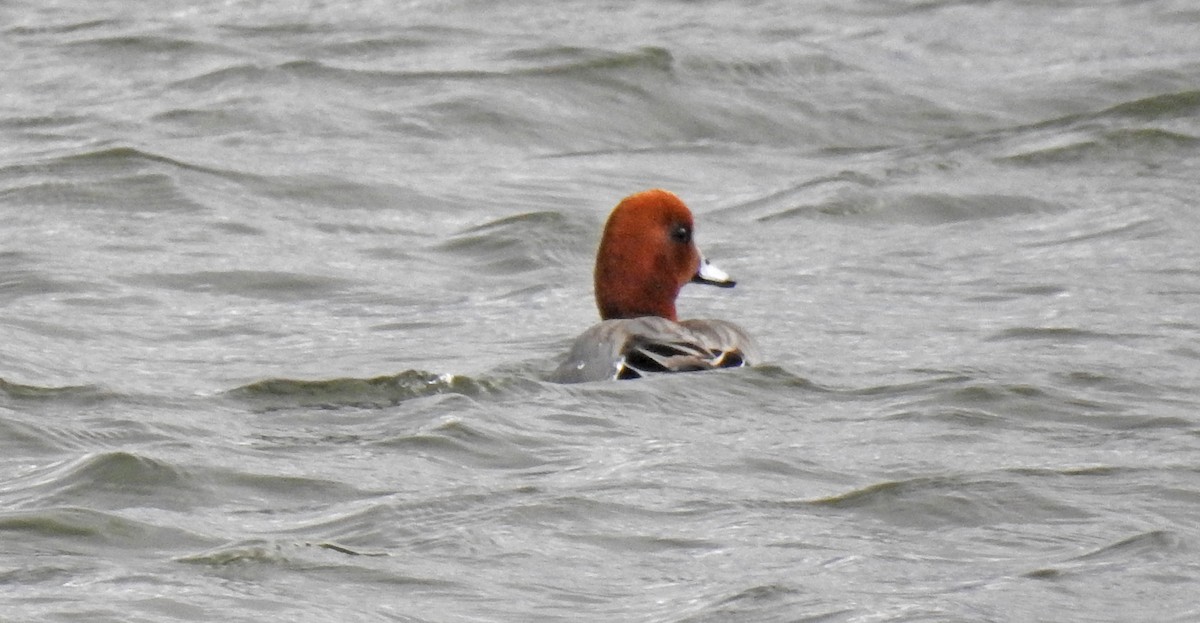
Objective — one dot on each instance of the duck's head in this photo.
(646, 255)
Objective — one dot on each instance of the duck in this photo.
(647, 254)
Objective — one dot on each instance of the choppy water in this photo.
(278, 283)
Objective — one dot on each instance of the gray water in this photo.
(279, 283)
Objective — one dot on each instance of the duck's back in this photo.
(637, 347)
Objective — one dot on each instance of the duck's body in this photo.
(631, 348)
(646, 256)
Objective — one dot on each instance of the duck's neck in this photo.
(620, 299)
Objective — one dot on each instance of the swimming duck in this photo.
(646, 256)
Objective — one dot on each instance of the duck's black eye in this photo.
(681, 234)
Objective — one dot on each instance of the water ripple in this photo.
(107, 480)
(74, 527)
(380, 391)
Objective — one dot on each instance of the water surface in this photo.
(280, 283)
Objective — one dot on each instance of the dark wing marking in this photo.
(650, 357)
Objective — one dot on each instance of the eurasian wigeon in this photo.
(646, 256)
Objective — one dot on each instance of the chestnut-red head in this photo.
(646, 255)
